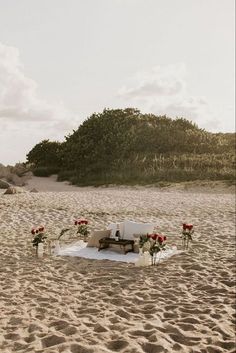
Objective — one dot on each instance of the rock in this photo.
(4, 184)
(34, 190)
(14, 190)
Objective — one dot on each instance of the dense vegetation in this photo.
(45, 158)
(127, 147)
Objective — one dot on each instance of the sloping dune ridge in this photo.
(65, 304)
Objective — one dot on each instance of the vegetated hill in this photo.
(127, 147)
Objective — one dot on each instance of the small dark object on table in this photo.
(106, 242)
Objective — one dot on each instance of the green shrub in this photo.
(124, 146)
(65, 175)
(45, 171)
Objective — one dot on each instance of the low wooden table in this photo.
(106, 242)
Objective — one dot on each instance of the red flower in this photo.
(187, 226)
(33, 231)
(160, 239)
(41, 229)
(36, 230)
(82, 221)
(76, 223)
(164, 238)
(154, 236)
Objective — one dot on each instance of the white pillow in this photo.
(132, 228)
(96, 235)
(113, 228)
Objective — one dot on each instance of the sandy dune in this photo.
(57, 304)
(49, 184)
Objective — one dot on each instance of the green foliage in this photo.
(123, 146)
(39, 238)
(45, 154)
(83, 230)
(63, 231)
(45, 171)
(65, 175)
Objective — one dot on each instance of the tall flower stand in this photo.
(39, 240)
(187, 233)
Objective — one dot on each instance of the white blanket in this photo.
(79, 249)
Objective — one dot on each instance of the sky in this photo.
(62, 60)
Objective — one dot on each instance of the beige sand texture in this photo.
(56, 304)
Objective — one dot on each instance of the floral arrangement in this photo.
(152, 243)
(80, 222)
(82, 227)
(187, 233)
(39, 236)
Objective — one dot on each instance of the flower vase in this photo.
(40, 250)
(49, 247)
(147, 259)
(56, 247)
(140, 260)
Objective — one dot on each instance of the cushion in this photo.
(132, 228)
(96, 236)
(113, 228)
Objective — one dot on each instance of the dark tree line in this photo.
(125, 146)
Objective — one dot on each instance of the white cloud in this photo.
(19, 100)
(26, 118)
(163, 91)
(162, 81)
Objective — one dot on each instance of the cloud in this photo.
(25, 117)
(163, 81)
(19, 100)
(163, 91)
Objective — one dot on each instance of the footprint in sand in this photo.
(117, 345)
(153, 348)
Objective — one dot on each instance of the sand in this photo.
(70, 304)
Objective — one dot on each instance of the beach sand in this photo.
(66, 304)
